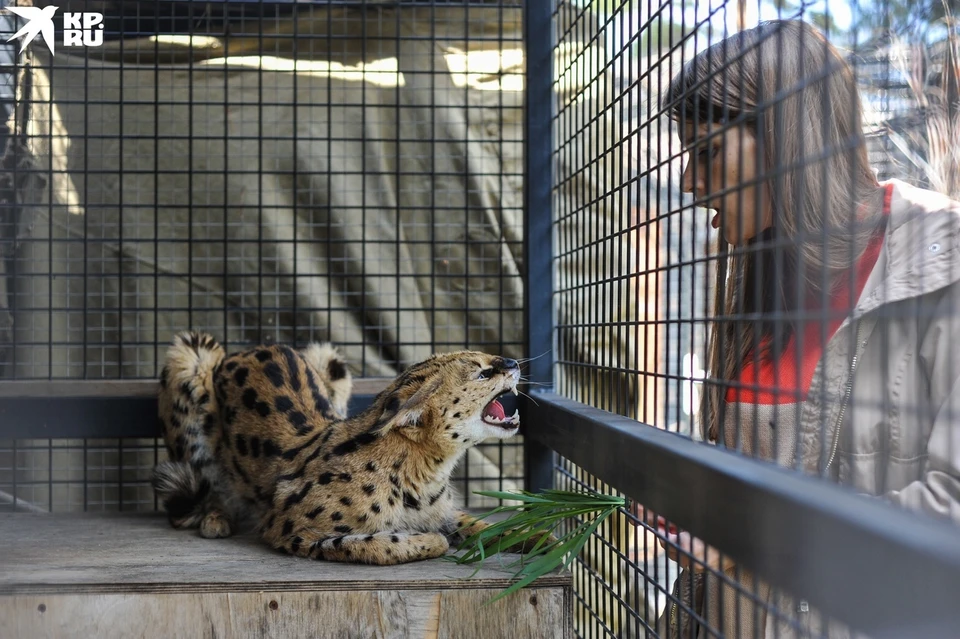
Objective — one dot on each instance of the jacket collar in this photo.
(921, 249)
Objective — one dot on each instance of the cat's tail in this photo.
(187, 408)
(182, 493)
(335, 377)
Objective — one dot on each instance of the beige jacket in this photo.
(895, 432)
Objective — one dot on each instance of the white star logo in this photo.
(38, 21)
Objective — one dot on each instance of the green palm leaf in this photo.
(537, 515)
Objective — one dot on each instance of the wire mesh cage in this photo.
(267, 172)
(686, 215)
(737, 154)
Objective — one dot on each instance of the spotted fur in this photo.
(264, 434)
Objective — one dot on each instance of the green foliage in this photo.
(659, 36)
(536, 517)
(661, 30)
(606, 7)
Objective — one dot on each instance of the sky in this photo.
(755, 11)
(840, 12)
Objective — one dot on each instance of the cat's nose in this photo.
(506, 364)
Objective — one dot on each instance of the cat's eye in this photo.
(486, 373)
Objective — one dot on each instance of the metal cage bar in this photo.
(539, 317)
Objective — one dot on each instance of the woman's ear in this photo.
(406, 414)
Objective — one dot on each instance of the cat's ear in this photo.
(399, 413)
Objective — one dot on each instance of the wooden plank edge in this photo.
(559, 580)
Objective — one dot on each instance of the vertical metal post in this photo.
(538, 35)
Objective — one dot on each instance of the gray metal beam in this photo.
(538, 35)
(880, 569)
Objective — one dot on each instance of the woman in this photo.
(836, 307)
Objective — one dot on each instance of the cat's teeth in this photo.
(512, 419)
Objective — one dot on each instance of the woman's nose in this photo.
(686, 178)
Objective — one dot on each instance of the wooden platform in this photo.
(133, 576)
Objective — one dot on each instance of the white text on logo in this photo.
(82, 29)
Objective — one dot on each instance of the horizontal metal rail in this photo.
(877, 568)
(57, 409)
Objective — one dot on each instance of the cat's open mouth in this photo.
(494, 414)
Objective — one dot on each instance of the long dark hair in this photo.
(787, 85)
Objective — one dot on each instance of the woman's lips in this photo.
(662, 525)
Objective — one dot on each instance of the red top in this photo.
(780, 384)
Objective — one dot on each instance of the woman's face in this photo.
(719, 171)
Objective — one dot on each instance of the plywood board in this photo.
(141, 553)
(540, 613)
(133, 576)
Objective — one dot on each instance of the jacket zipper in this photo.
(846, 398)
(833, 454)
(672, 626)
